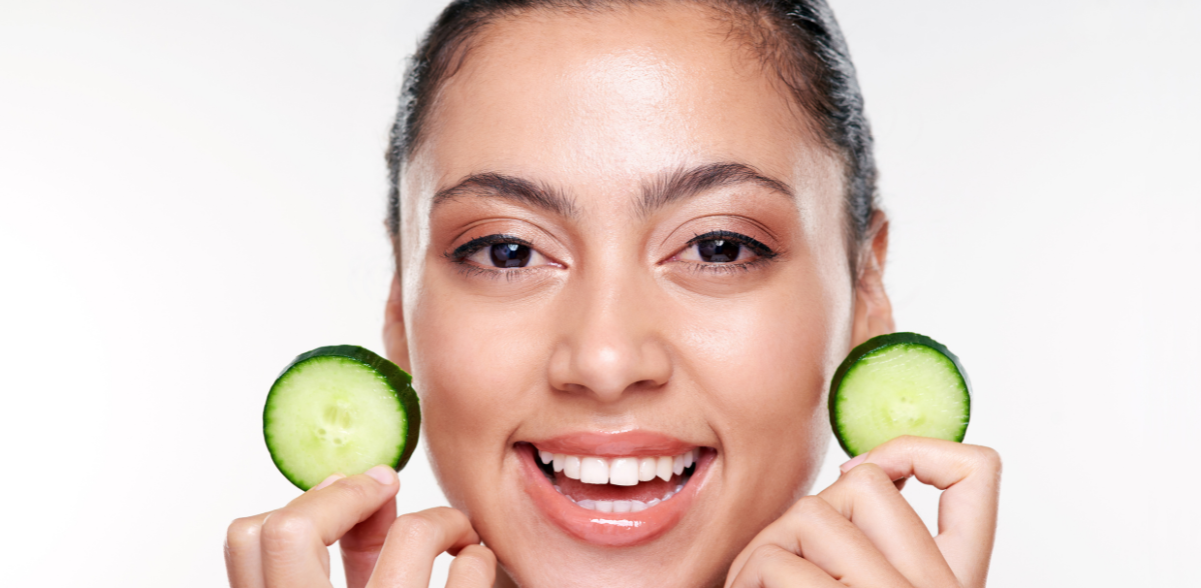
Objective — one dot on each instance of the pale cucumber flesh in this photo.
(333, 414)
(903, 388)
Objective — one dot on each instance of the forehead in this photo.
(605, 99)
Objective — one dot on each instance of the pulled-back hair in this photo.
(799, 40)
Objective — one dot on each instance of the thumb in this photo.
(361, 545)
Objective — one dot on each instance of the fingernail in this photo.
(382, 474)
(853, 462)
(326, 482)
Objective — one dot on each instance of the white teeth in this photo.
(615, 506)
(623, 471)
(594, 470)
(620, 471)
(663, 468)
(621, 506)
(646, 469)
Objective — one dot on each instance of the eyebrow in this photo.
(664, 189)
(683, 183)
(512, 188)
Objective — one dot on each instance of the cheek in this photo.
(765, 362)
(772, 350)
(477, 367)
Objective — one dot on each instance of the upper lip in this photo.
(635, 443)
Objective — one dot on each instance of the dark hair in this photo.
(799, 39)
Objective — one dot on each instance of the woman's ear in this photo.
(396, 342)
(873, 311)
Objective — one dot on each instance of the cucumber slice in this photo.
(340, 409)
(898, 384)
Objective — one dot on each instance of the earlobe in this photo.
(873, 310)
(396, 342)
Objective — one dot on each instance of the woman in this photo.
(634, 239)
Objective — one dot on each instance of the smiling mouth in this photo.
(618, 484)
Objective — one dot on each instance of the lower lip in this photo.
(609, 529)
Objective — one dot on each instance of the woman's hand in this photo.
(289, 547)
(861, 532)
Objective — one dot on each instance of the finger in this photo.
(970, 477)
(474, 567)
(414, 541)
(867, 497)
(813, 530)
(361, 545)
(243, 551)
(243, 558)
(771, 566)
(295, 537)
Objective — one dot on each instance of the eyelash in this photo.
(462, 252)
(764, 253)
(469, 248)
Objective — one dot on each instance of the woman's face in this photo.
(619, 245)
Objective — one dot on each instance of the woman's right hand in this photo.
(288, 547)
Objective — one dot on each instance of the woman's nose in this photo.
(611, 342)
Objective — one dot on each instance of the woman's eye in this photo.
(718, 250)
(723, 247)
(500, 251)
(509, 255)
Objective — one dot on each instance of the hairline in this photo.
(754, 27)
(742, 27)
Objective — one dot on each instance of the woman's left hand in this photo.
(861, 532)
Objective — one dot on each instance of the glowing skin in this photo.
(617, 323)
(619, 245)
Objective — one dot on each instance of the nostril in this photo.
(609, 365)
(647, 385)
(575, 388)
(612, 393)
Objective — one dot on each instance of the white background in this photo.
(192, 193)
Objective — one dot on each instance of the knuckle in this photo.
(769, 556)
(356, 488)
(908, 444)
(809, 506)
(868, 476)
(415, 528)
(285, 527)
(989, 462)
(242, 533)
(989, 458)
(456, 516)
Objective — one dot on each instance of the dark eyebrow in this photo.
(685, 183)
(518, 189)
